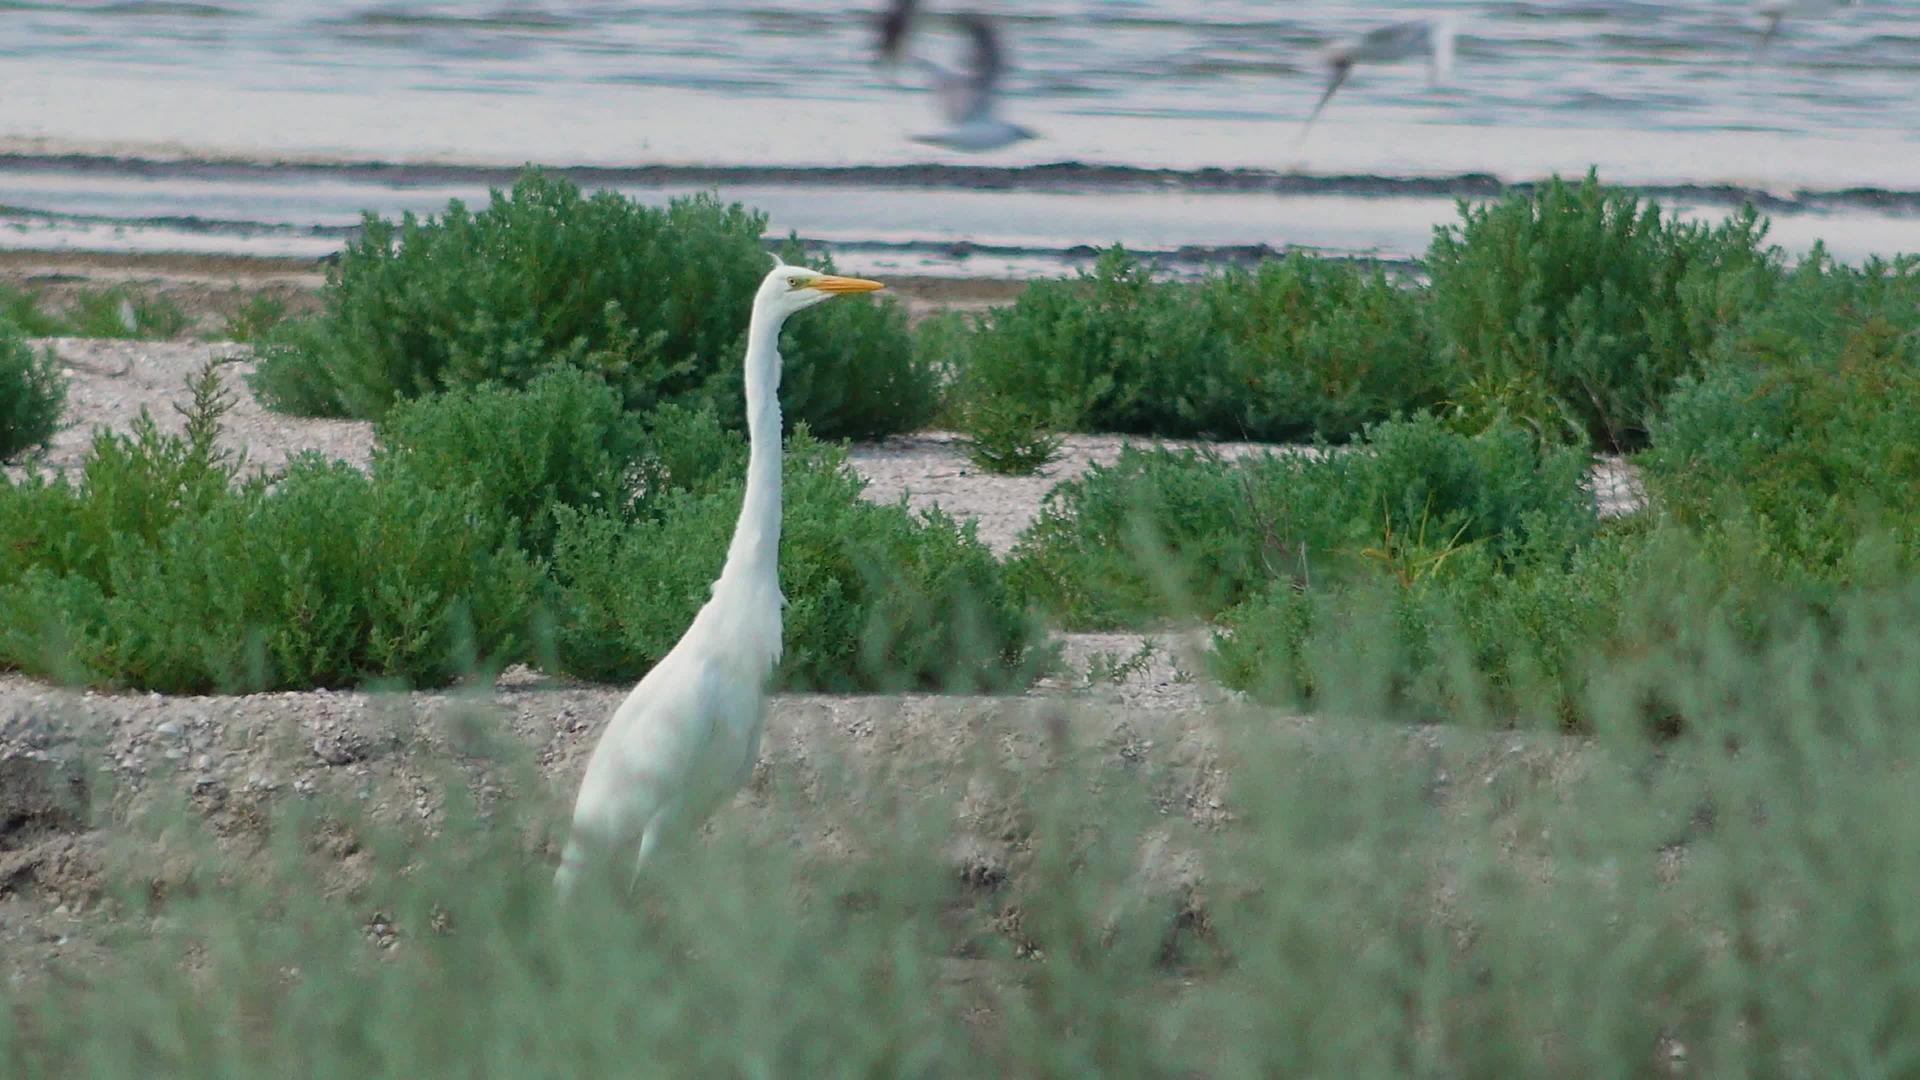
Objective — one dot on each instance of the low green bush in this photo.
(877, 597)
(123, 313)
(1574, 308)
(1009, 436)
(1328, 899)
(653, 301)
(116, 312)
(23, 309)
(495, 525)
(1802, 443)
(158, 568)
(256, 319)
(563, 441)
(33, 392)
(1163, 533)
(1465, 640)
(1300, 347)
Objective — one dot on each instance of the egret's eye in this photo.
(797, 282)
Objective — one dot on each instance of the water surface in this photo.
(1662, 94)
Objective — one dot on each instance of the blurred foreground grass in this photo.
(1741, 899)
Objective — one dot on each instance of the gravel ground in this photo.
(114, 380)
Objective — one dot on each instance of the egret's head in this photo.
(788, 289)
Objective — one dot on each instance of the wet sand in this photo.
(212, 287)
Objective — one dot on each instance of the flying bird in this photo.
(1775, 11)
(1429, 38)
(967, 100)
(895, 23)
(686, 737)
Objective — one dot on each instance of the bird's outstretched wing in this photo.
(1395, 41)
(894, 23)
(970, 96)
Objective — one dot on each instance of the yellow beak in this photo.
(835, 284)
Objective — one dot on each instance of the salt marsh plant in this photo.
(123, 313)
(1801, 442)
(653, 301)
(115, 312)
(1573, 308)
(159, 566)
(33, 392)
(1301, 347)
(494, 525)
(1009, 436)
(255, 319)
(1365, 902)
(1181, 533)
(562, 441)
(878, 596)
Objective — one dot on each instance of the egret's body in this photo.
(967, 99)
(1432, 39)
(687, 736)
(1777, 11)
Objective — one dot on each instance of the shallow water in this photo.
(1663, 94)
(1584, 63)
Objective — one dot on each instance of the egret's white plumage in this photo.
(1429, 38)
(1776, 11)
(967, 98)
(686, 737)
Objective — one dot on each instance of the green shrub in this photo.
(1466, 640)
(294, 369)
(1299, 347)
(123, 313)
(1802, 443)
(1009, 436)
(655, 302)
(1164, 533)
(117, 312)
(156, 569)
(878, 597)
(562, 441)
(33, 392)
(256, 319)
(1574, 308)
(1320, 348)
(1071, 899)
(21, 307)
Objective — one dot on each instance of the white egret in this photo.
(968, 99)
(686, 737)
(1430, 38)
(1774, 11)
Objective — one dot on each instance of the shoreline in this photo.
(1071, 175)
(211, 287)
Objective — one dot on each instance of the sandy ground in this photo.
(211, 288)
(114, 380)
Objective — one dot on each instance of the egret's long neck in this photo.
(755, 551)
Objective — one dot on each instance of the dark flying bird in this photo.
(895, 23)
(967, 99)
